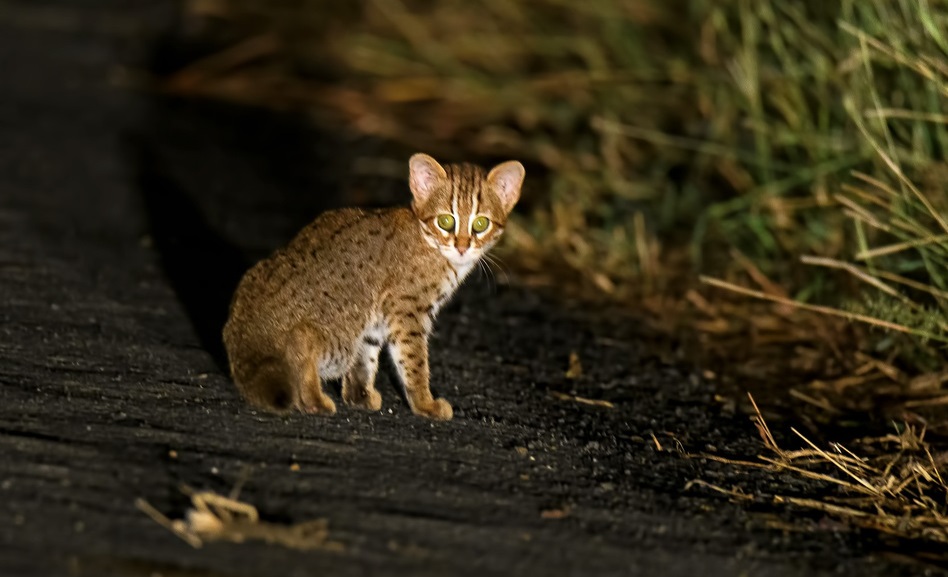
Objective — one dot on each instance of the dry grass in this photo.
(215, 517)
(895, 486)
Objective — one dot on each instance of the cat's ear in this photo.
(425, 175)
(506, 179)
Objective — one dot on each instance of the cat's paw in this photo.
(437, 409)
(368, 399)
(317, 405)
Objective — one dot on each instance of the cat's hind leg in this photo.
(304, 351)
(263, 383)
(358, 384)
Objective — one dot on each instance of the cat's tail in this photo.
(266, 385)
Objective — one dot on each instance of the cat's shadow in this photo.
(223, 186)
(210, 209)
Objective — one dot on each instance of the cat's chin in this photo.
(462, 262)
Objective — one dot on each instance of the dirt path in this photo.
(125, 220)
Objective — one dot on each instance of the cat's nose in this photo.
(462, 250)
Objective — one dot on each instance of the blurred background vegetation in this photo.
(791, 151)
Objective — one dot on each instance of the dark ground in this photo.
(113, 284)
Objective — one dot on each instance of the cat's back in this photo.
(345, 229)
(340, 259)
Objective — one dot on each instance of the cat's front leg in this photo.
(409, 349)
(358, 385)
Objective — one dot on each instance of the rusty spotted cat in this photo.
(356, 281)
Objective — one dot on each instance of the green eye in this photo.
(480, 224)
(446, 222)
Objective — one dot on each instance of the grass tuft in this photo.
(895, 484)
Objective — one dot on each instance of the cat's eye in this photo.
(445, 222)
(480, 224)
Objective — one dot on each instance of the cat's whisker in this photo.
(489, 272)
(494, 260)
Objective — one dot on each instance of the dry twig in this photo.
(215, 517)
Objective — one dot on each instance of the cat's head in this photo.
(462, 208)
